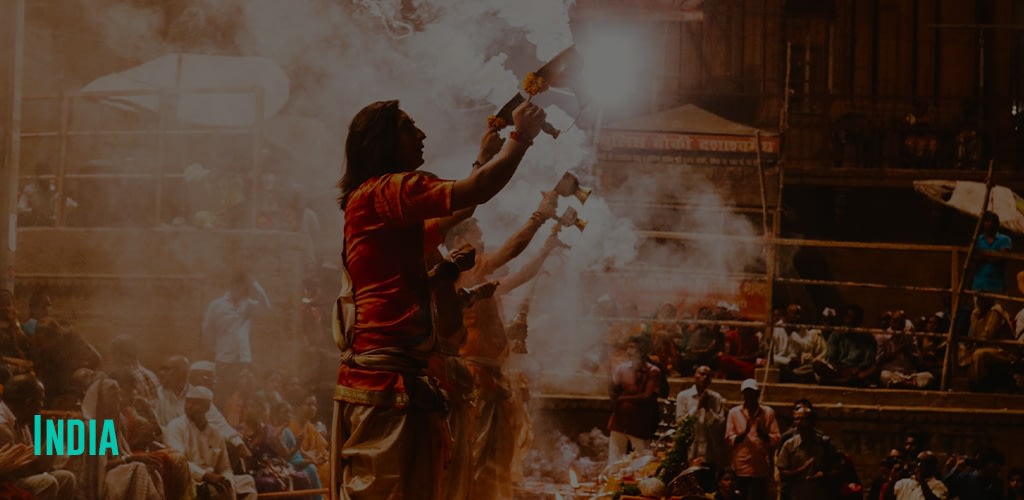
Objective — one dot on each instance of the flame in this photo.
(573, 480)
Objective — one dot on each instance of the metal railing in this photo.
(159, 130)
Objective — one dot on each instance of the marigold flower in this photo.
(534, 84)
(496, 122)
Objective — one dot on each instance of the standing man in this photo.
(226, 328)
(708, 407)
(389, 415)
(635, 394)
(990, 270)
(753, 433)
(807, 461)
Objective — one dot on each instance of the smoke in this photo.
(452, 63)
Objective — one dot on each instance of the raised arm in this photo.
(530, 270)
(490, 144)
(489, 179)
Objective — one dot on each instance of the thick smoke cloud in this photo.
(451, 63)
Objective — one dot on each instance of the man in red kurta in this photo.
(388, 412)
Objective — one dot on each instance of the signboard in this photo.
(646, 10)
(670, 141)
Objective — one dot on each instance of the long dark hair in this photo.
(371, 148)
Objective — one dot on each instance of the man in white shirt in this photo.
(172, 396)
(708, 408)
(910, 488)
(226, 328)
(193, 436)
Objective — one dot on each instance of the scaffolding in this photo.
(169, 139)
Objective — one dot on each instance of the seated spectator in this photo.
(805, 346)
(312, 440)
(144, 436)
(727, 488)
(701, 344)
(242, 397)
(193, 436)
(280, 419)
(1015, 484)
(850, 356)
(899, 362)
(270, 469)
(923, 483)
(981, 483)
(665, 333)
(740, 357)
(124, 353)
(989, 368)
(57, 352)
(22, 400)
(124, 475)
(13, 341)
(38, 309)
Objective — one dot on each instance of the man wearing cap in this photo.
(634, 392)
(193, 436)
(752, 432)
(172, 397)
(708, 407)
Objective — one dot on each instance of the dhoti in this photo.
(385, 453)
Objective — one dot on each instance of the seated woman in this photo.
(268, 464)
(280, 418)
(312, 442)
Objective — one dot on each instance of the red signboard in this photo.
(650, 10)
(703, 143)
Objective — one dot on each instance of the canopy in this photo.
(968, 196)
(222, 89)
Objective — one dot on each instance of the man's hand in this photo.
(219, 482)
(14, 457)
(490, 144)
(243, 451)
(528, 119)
(548, 207)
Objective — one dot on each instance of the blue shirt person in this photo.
(990, 271)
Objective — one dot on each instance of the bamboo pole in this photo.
(760, 178)
(856, 284)
(806, 326)
(947, 361)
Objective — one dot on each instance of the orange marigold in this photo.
(496, 122)
(534, 84)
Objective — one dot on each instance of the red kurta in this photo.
(384, 254)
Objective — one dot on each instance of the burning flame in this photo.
(573, 480)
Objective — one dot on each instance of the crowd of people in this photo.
(742, 452)
(836, 348)
(182, 432)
